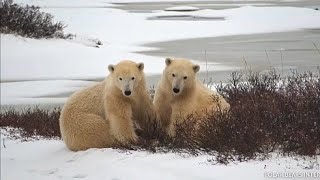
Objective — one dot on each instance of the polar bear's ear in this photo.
(140, 66)
(168, 61)
(111, 68)
(196, 68)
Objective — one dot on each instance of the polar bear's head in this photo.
(181, 74)
(127, 76)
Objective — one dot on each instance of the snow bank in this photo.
(50, 159)
(61, 59)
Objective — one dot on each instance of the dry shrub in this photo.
(267, 114)
(32, 123)
(29, 21)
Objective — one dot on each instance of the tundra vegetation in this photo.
(268, 114)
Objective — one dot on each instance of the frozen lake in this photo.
(284, 51)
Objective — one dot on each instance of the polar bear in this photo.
(179, 94)
(107, 113)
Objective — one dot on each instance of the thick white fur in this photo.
(102, 115)
(193, 96)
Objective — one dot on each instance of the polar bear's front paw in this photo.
(171, 131)
(126, 138)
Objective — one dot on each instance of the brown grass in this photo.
(267, 114)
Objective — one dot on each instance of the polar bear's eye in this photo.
(173, 75)
(132, 78)
(120, 79)
(185, 77)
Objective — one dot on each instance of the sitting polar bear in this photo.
(106, 113)
(179, 93)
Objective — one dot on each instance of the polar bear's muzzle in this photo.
(177, 86)
(127, 90)
(126, 87)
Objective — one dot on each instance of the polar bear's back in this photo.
(87, 100)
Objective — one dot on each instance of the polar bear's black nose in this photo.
(127, 93)
(176, 90)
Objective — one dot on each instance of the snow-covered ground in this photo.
(50, 159)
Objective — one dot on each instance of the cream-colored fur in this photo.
(104, 114)
(193, 97)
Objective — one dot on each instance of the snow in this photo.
(244, 20)
(182, 8)
(141, 1)
(61, 59)
(39, 92)
(56, 59)
(122, 34)
(50, 159)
